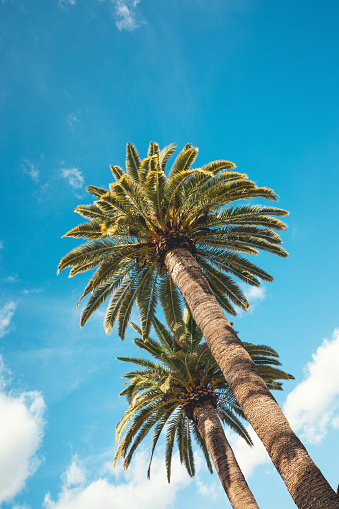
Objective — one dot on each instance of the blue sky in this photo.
(247, 80)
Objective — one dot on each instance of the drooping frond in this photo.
(170, 301)
(164, 337)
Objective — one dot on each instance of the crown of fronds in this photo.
(146, 212)
(172, 383)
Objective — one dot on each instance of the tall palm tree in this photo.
(166, 237)
(182, 391)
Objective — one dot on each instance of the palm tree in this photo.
(183, 391)
(156, 237)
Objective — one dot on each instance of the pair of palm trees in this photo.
(179, 237)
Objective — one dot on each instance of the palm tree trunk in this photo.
(228, 470)
(306, 484)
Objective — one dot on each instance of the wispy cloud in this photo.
(11, 279)
(65, 3)
(72, 120)
(126, 16)
(21, 432)
(73, 176)
(31, 170)
(313, 406)
(126, 19)
(6, 315)
(32, 291)
(1, 244)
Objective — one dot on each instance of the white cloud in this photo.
(125, 12)
(75, 474)
(254, 296)
(133, 489)
(74, 177)
(1, 244)
(31, 170)
(248, 457)
(21, 431)
(255, 293)
(313, 406)
(6, 315)
(207, 490)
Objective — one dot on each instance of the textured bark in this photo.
(228, 470)
(306, 484)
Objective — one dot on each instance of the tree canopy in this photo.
(148, 211)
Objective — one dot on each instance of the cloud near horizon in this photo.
(21, 432)
(313, 406)
(127, 489)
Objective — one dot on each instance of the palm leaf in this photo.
(132, 162)
(184, 160)
(170, 300)
(165, 154)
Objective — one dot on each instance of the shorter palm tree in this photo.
(184, 392)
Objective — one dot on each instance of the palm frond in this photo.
(96, 191)
(203, 447)
(91, 212)
(172, 425)
(184, 160)
(170, 300)
(153, 149)
(147, 299)
(165, 337)
(117, 172)
(89, 231)
(165, 154)
(157, 432)
(132, 162)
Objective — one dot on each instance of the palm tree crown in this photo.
(146, 213)
(166, 391)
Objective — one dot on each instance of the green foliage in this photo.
(147, 211)
(160, 395)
